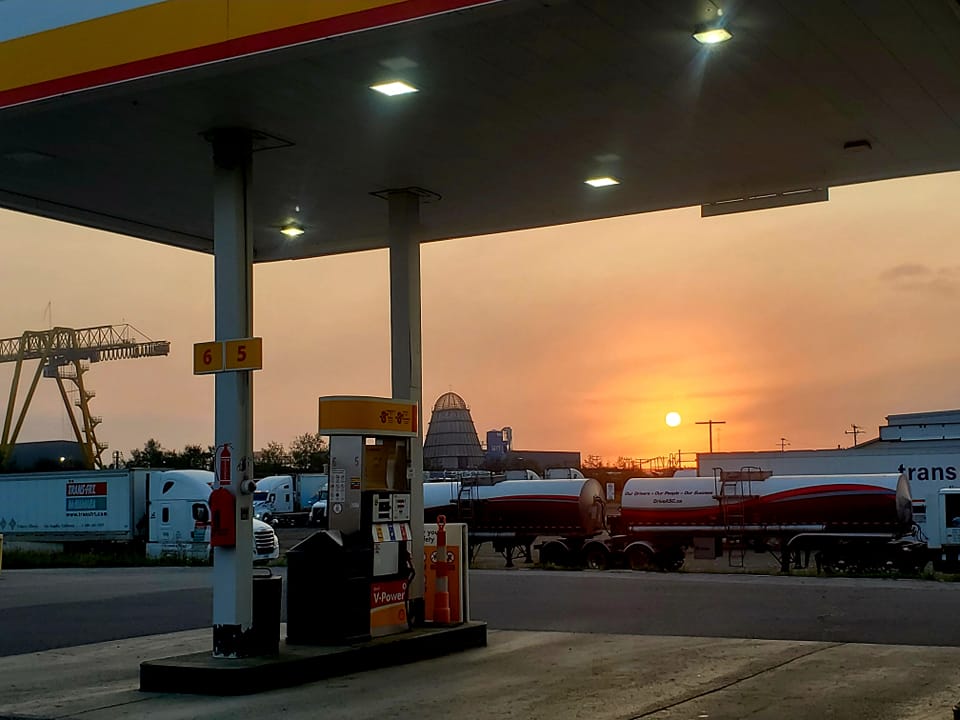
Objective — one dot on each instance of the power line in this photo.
(711, 423)
(855, 432)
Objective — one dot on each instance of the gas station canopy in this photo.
(518, 103)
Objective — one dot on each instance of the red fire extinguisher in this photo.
(223, 512)
(222, 466)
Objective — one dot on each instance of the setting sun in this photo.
(673, 419)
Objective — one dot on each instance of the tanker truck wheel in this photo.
(671, 560)
(554, 554)
(640, 557)
(596, 557)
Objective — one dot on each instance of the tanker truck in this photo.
(845, 521)
(167, 512)
(513, 514)
(848, 521)
(852, 520)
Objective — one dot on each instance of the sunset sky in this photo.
(790, 323)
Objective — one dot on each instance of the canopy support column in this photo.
(233, 298)
(405, 354)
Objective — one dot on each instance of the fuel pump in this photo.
(366, 551)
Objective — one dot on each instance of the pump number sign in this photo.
(228, 356)
(207, 357)
(244, 354)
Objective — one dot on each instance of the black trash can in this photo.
(267, 604)
(328, 589)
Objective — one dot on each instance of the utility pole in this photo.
(711, 423)
(856, 431)
(783, 443)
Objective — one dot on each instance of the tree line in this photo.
(305, 453)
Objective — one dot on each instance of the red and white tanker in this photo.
(512, 514)
(661, 517)
(809, 503)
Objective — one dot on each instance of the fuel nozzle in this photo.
(247, 484)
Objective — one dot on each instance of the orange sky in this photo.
(793, 322)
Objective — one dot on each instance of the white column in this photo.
(405, 347)
(233, 297)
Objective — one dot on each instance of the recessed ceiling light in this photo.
(397, 87)
(292, 230)
(706, 35)
(599, 182)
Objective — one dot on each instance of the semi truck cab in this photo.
(274, 495)
(943, 528)
(318, 510)
(289, 499)
(178, 523)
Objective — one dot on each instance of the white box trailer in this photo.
(168, 511)
(922, 461)
(71, 506)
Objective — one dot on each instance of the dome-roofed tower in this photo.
(452, 442)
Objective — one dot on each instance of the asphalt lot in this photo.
(45, 609)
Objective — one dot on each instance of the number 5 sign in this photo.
(243, 354)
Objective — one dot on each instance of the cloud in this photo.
(914, 277)
(906, 270)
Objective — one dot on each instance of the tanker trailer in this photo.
(857, 515)
(512, 514)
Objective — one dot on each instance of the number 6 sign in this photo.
(207, 358)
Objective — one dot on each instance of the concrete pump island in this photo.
(259, 132)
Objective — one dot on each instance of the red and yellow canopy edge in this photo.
(179, 34)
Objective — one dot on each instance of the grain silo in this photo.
(452, 442)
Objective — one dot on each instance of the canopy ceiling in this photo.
(520, 101)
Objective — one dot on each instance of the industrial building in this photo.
(452, 443)
(45, 456)
(500, 454)
(926, 445)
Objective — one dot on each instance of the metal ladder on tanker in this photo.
(467, 497)
(733, 493)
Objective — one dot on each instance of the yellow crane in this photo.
(65, 355)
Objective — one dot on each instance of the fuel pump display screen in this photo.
(401, 507)
(382, 508)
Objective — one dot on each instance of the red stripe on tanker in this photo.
(880, 501)
(535, 505)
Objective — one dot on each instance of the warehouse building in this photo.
(925, 445)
